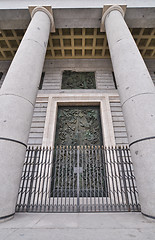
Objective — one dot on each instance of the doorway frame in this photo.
(78, 100)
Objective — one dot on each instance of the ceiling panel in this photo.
(77, 43)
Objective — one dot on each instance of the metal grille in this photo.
(77, 179)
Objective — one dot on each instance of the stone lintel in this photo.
(45, 9)
(107, 9)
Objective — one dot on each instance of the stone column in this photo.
(17, 99)
(137, 94)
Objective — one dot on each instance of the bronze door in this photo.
(76, 172)
(78, 125)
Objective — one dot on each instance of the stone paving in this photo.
(91, 226)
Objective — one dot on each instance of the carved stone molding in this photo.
(45, 9)
(109, 8)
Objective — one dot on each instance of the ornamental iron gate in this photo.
(77, 179)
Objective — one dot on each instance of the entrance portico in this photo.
(136, 92)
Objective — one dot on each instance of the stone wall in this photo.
(52, 85)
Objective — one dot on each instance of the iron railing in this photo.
(78, 179)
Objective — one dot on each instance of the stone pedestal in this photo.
(17, 98)
(137, 94)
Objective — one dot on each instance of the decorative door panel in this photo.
(79, 125)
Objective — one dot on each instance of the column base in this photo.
(148, 216)
(6, 218)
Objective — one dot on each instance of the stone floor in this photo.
(91, 226)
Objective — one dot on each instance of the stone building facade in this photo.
(38, 45)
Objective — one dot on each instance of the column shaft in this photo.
(17, 96)
(137, 94)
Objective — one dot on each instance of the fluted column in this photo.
(137, 94)
(17, 99)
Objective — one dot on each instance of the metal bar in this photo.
(43, 177)
(109, 177)
(39, 196)
(62, 177)
(21, 192)
(120, 177)
(97, 173)
(102, 185)
(94, 182)
(66, 177)
(90, 183)
(78, 179)
(73, 176)
(106, 177)
(123, 177)
(27, 179)
(36, 177)
(132, 177)
(54, 175)
(48, 177)
(116, 177)
(128, 177)
(83, 187)
(58, 178)
(70, 171)
(32, 178)
(86, 183)
(113, 180)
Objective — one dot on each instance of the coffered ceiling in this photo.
(77, 43)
